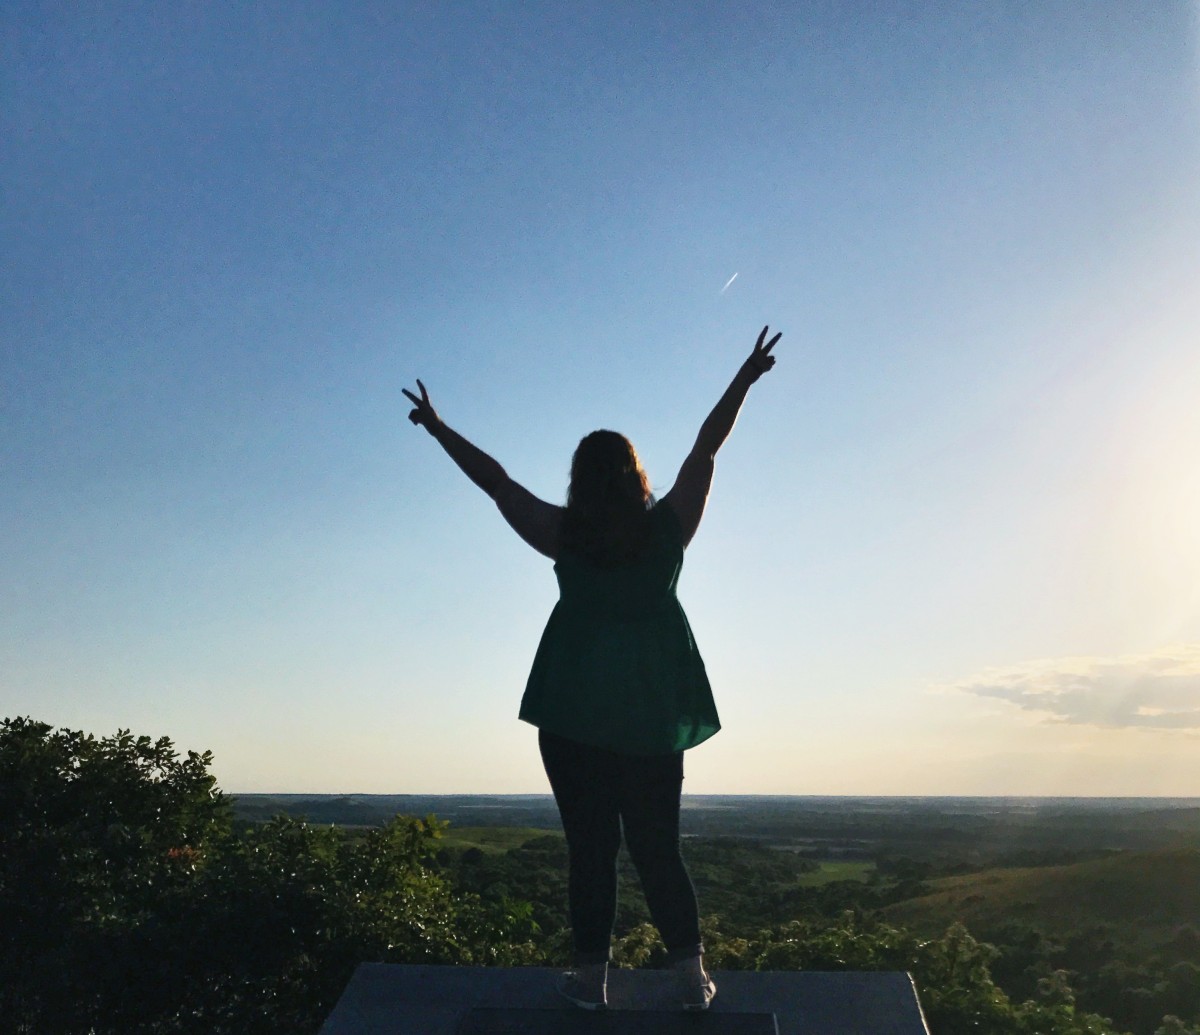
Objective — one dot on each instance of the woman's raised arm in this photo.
(534, 520)
(689, 494)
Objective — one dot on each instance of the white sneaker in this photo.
(696, 990)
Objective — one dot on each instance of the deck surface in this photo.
(390, 999)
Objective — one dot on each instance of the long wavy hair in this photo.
(608, 501)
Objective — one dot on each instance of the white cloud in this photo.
(1145, 691)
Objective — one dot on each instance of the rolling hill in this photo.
(1146, 896)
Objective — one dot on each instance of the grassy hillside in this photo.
(1147, 896)
(491, 840)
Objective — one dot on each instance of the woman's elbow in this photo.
(499, 486)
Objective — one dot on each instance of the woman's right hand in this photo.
(761, 360)
(423, 412)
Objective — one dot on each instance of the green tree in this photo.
(94, 836)
(951, 973)
(129, 904)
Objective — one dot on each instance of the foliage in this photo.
(951, 973)
(95, 836)
(129, 904)
(743, 878)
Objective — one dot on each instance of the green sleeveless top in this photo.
(617, 666)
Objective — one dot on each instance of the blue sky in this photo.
(951, 547)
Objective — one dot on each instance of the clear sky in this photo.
(953, 545)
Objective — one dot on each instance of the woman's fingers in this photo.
(423, 407)
(761, 359)
(422, 403)
(759, 347)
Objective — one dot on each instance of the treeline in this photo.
(745, 886)
(131, 903)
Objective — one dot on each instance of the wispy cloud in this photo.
(1160, 690)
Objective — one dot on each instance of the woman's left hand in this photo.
(423, 413)
(761, 360)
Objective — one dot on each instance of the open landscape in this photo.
(1095, 902)
(137, 897)
(942, 830)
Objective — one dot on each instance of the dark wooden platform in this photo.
(388, 999)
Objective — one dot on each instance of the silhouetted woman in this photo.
(618, 690)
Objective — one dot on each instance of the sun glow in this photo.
(1146, 499)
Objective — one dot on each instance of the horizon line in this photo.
(860, 797)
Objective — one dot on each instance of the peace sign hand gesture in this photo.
(761, 360)
(423, 413)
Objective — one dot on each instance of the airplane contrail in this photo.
(727, 283)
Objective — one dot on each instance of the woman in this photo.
(618, 690)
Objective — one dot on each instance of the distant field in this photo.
(831, 871)
(492, 839)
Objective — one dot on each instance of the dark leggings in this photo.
(598, 792)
